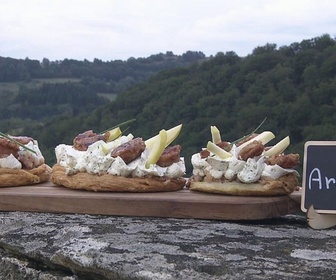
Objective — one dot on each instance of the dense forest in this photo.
(36, 91)
(293, 86)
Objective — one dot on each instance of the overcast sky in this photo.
(119, 29)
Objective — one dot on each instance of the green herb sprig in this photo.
(248, 135)
(16, 142)
(119, 125)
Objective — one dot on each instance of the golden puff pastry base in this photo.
(112, 183)
(23, 177)
(283, 186)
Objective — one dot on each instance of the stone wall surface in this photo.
(64, 246)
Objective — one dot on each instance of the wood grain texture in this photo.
(47, 197)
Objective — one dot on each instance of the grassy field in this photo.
(55, 80)
(35, 83)
(108, 96)
(9, 87)
(14, 87)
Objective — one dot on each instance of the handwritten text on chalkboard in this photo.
(315, 178)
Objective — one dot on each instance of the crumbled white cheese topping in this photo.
(36, 158)
(252, 170)
(97, 160)
(10, 162)
(231, 168)
(276, 171)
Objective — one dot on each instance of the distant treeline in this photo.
(104, 76)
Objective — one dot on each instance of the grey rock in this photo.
(64, 246)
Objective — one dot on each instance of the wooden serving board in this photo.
(48, 197)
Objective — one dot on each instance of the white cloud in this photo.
(119, 29)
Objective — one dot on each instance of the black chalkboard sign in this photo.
(319, 176)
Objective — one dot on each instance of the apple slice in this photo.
(171, 136)
(218, 151)
(104, 149)
(113, 134)
(157, 148)
(173, 133)
(264, 137)
(216, 137)
(278, 148)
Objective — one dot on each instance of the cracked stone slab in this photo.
(64, 246)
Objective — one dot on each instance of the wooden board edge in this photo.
(163, 209)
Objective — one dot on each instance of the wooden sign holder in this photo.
(320, 221)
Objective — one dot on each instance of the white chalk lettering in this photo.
(315, 179)
(328, 181)
(315, 176)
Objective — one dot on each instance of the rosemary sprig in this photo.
(248, 135)
(16, 142)
(118, 125)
